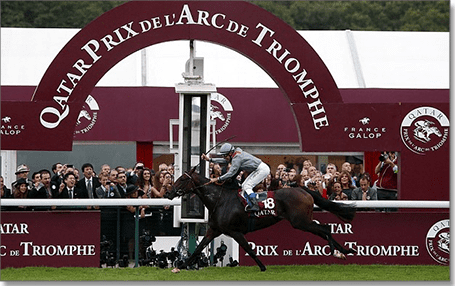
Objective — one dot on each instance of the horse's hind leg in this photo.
(323, 231)
(241, 240)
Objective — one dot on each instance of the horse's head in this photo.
(184, 185)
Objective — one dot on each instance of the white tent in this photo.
(356, 59)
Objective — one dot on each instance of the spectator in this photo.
(121, 183)
(346, 184)
(164, 183)
(259, 188)
(21, 191)
(307, 164)
(337, 192)
(6, 193)
(162, 167)
(132, 176)
(89, 182)
(357, 171)
(216, 170)
(113, 176)
(145, 184)
(68, 188)
(292, 173)
(36, 179)
(133, 192)
(267, 181)
(107, 188)
(275, 184)
(331, 170)
(22, 171)
(365, 192)
(171, 170)
(120, 169)
(76, 174)
(387, 171)
(285, 180)
(319, 186)
(312, 171)
(305, 175)
(105, 170)
(46, 189)
(57, 170)
(347, 167)
(295, 182)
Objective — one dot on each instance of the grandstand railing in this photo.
(177, 202)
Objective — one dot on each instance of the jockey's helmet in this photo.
(226, 149)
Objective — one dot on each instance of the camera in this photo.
(384, 156)
(106, 257)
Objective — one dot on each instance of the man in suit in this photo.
(89, 182)
(107, 188)
(121, 183)
(68, 189)
(365, 192)
(45, 189)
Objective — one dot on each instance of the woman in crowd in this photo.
(163, 182)
(346, 183)
(21, 191)
(337, 192)
(145, 184)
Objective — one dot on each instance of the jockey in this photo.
(241, 161)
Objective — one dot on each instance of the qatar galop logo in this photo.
(424, 129)
(220, 111)
(438, 241)
(87, 116)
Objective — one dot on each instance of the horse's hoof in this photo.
(339, 255)
(263, 268)
(175, 270)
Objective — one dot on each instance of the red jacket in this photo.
(387, 178)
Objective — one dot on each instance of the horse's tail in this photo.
(345, 212)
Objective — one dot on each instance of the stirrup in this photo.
(252, 204)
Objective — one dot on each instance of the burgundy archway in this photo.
(272, 44)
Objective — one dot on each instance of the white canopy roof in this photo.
(356, 59)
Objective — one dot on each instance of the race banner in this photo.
(53, 239)
(379, 238)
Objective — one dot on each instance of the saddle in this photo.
(266, 202)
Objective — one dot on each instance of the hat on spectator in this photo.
(20, 182)
(133, 188)
(22, 169)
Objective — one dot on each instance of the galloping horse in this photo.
(228, 216)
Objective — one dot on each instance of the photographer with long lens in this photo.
(387, 171)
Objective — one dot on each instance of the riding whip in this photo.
(219, 143)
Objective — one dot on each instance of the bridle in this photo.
(180, 192)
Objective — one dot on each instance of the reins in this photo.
(204, 185)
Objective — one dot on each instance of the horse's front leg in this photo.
(241, 240)
(209, 236)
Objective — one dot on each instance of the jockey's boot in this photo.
(252, 203)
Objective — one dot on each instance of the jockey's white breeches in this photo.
(255, 178)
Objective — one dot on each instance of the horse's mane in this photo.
(229, 184)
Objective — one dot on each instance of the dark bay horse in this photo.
(228, 216)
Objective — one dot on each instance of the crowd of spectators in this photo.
(333, 184)
(66, 181)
